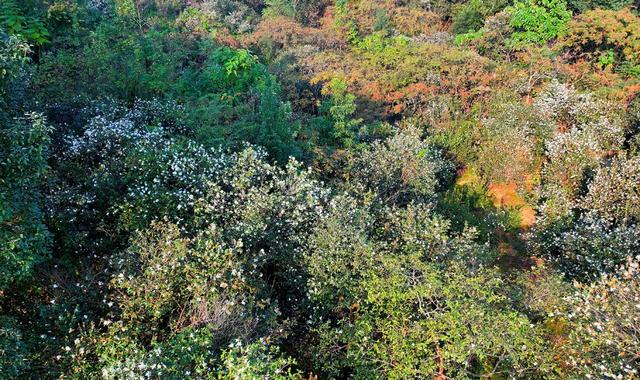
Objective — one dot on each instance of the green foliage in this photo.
(469, 16)
(305, 11)
(257, 361)
(284, 8)
(232, 98)
(538, 21)
(512, 144)
(392, 299)
(606, 59)
(468, 19)
(165, 279)
(23, 236)
(256, 189)
(24, 143)
(583, 5)
(248, 228)
(15, 22)
(341, 106)
(464, 38)
(421, 316)
(14, 55)
(13, 350)
(343, 21)
(468, 205)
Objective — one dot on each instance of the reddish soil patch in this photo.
(506, 195)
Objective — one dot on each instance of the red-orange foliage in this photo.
(406, 20)
(597, 31)
(224, 37)
(413, 73)
(284, 33)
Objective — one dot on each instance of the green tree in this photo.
(24, 142)
(340, 109)
(538, 21)
(409, 299)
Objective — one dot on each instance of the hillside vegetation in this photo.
(319, 189)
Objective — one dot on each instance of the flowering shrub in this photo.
(94, 166)
(571, 156)
(257, 360)
(584, 234)
(511, 144)
(167, 279)
(264, 189)
(605, 342)
(184, 355)
(242, 223)
(237, 15)
(188, 354)
(190, 297)
(165, 181)
(588, 247)
(272, 210)
(568, 107)
(401, 169)
(588, 129)
(614, 193)
(112, 128)
(339, 253)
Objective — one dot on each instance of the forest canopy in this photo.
(319, 189)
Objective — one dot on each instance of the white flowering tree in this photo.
(614, 193)
(606, 341)
(588, 130)
(402, 169)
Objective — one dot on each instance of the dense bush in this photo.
(24, 143)
(588, 130)
(401, 170)
(604, 343)
(171, 289)
(588, 247)
(470, 16)
(605, 37)
(405, 307)
(538, 21)
(614, 192)
(292, 189)
(167, 282)
(583, 5)
(512, 144)
(23, 237)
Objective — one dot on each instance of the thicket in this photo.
(285, 189)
